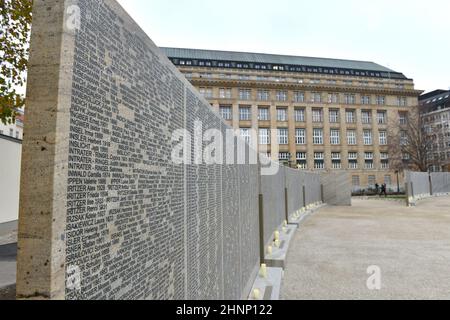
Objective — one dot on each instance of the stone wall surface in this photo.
(274, 209)
(440, 182)
(295, 181)
(336, 189)
(104, 212)
(312, 188)
(418, 184)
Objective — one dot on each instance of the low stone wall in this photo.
(422, 185)
(337, 189)
(440, 183)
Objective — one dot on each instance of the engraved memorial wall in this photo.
(104, 211)
(110, 215)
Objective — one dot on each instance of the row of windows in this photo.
(317, 115)
(282, 67)
(318, 136)
(11, 133)
(372, 181)
(300, 97)
(336, 160)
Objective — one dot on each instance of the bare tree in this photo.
(411, 143)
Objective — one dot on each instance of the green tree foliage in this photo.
(15, 26)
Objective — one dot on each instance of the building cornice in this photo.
(303, 87)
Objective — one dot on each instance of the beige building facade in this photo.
(326, 114)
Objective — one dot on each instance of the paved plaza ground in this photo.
(329, 257)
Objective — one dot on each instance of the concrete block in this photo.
(268, 287)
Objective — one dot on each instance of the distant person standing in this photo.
(377, 188)
(384, 190)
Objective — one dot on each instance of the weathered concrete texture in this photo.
(418, 185)
(101, 198)
(273, 192)
(313, 193)
(295, 181)
(105, 212)
(440, 182)
(329, 258)
(337, 189)
(278, 257)
(268, 286)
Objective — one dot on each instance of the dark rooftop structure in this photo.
(274, 62)
(435, 101)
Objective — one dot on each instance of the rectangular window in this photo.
(263, 114)
(371, 181)
(318, 136)
(381, 100)
(245, 94)
(401, 101)
(381, 117)
(383, 138)
(368, 141)
(403, 118)
(355, 181)
(334, 116)
(282, 96)
(300, 136)
(319, 161)
(283, 156)
(336, 160)
(264, 136)
(244, 114)
(11, 132)
(299, 96)
(368, 157)
(351, 137)
(281, 114)
(226, 112)
(224, 93)
(365, 100)
(350, 116)
(353, 160)
(316, 97)
(283, 136)
(299, 115)
(333, 98)
(263, 95)
(384, 158)
(317, 115)
(245, 134)
(349, 99)
(388, 180)
(335, 138)
(302, 162)
(366, 117)
(206, 92)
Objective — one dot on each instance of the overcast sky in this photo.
(409, 36)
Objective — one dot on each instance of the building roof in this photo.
(435, 101)
(433, 94)
(201, 54)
